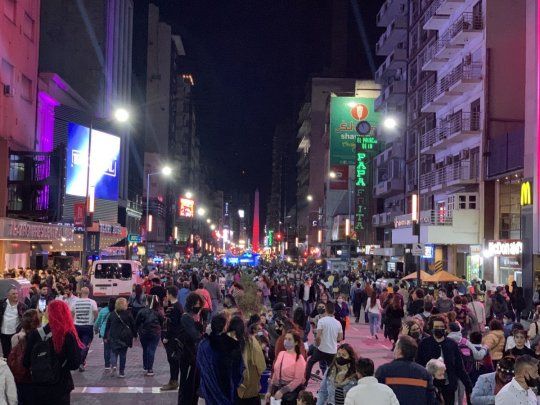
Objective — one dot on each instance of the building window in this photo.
(10, 9)
(28, 27)
(509, 211)
(6, 75)
(26, 88)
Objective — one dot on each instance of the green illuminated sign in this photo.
(270, 238)
(351, 118)
(365, 144)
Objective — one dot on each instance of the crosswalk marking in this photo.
(119, 390)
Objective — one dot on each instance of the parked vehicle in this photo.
(114, 278)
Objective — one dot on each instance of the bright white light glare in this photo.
(309, 197)
(241, 213)
(212, 227)
(189, 194)
(319, 236)
(332, 175)
(414, 215)
(339, 252)
(347, 227)
(201, 212)
(150, 223)
(121, 115)
(91, 198)
(166, 171)
(351, 104)
(208, 221)
(390, 123)
(175, 232)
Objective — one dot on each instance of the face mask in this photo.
(341, 361)
(320, 311)
(532, 382)
(505, 378)
(439, 382)
(414, 335)
(439, 333)
(196, 310)
(288, 345)
(260, 333)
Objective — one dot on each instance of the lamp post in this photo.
(120, 115)
(165, 171)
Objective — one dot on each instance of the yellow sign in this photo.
(526, 194)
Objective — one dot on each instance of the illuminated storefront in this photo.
(507, 258)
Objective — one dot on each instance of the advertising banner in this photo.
(186, 207)
(104, 162)
(78, 214)
(350, 117)
(341, 180)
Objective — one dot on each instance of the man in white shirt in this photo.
(68, 297)
(329, 332)
(518, 391)
(369, 390)
(84, 312)
(11, 311)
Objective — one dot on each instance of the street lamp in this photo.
(332, 175)
(201, 212)
(212, 227)
(165, 171)
(309, 198)
(189, 194)
(120, 115)
(390, 123)
(241, 213)
(208, 221)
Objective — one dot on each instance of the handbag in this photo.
(126, 335)
(290, 396)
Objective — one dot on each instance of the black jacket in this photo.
(70, 353)
(191, 336)
(415, 307)
(172, 326)
(429, 349)
(149, 322)
(312, 294)
(399, 375)
(120, 330)
(20, 310)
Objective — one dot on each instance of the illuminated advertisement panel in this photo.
(104, 162)
(186, 207)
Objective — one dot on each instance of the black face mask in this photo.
(438, 333)
(341, 361)
(196, 310)
(439, 382)
(414, 335)
(504, 378)
(321, 310)
(533, 382)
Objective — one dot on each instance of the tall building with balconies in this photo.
(463, 96)
(389, 165)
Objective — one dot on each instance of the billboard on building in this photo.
(186, 207)
(340, 180)
(350, 117)
(104, 162)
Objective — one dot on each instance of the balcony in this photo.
(454, 174)
(433, 18)
(449, 7)
(394, 34)
(389, 187)
(468, 27)
(394, 93)
(384, 219)
(396, 60)
(431, 59)
(389, 10)
(428, 94)
(461, 79)
(446, 227)
(453, 129)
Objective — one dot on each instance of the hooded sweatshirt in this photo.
(8, 389)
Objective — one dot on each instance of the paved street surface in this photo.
(95, 386)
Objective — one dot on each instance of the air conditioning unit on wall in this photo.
(9, 91)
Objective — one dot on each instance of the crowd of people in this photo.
(232, 336)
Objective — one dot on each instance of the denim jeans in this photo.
(120, 353)
(149, 345)
(374, 320)
(86, 335)
(107, 353)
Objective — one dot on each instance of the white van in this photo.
(114, 278)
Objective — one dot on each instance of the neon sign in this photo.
(364, 145)
(526, 194)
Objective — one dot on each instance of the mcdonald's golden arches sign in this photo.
(526, 193)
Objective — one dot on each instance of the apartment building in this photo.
(389, 165)
(463, 95)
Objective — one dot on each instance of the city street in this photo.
(95, 386)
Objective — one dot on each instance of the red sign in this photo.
(341, 179)
(359, 112)
(78, 214)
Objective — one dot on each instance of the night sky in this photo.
(251, 60)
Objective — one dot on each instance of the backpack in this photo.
(45, 367)
(15, 362)
(499, 305)
(466, 354)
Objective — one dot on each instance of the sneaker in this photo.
(170, 386)
(144, 370)
(113, 371)
(107, 368)
(150, 373)
(121, 375)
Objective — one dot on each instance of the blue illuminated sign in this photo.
(104, 162)
(429, 252)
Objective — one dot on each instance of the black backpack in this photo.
(45, 367)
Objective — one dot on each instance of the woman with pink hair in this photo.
(51, 352)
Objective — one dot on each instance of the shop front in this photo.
(27, 243)
(507, 260)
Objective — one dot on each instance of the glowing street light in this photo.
(241, 213)
(212, 227)
(390, 123)
(332, 175)
(309, 197)
(208, 221)
(121, 115)
(166, 171)
(201, 212)
(189, 194)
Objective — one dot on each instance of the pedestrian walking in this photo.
(100, 326)
(119, 332)
(85, 312)
(52, 351)
(342, 312)
(339, 378)
(137, 300)
(149, 323)
(172, 336)
(369, 390)
(374, 309)
(520, 389)
(255, 364)
(11, 312)
(488, 385)
(393, 315)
